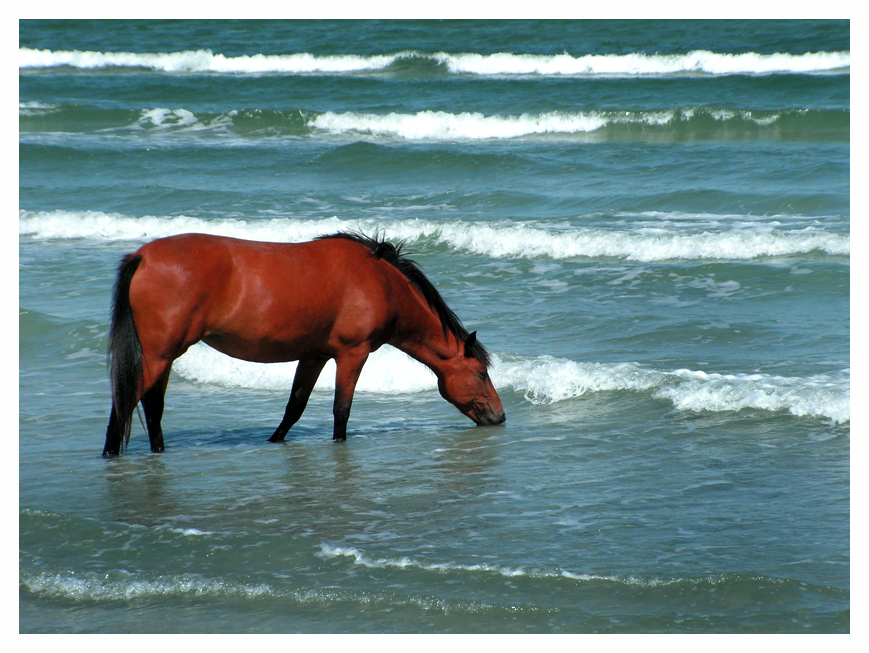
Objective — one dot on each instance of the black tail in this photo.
(125, 357)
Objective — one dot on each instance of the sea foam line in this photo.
(453, 126)
(464, 126)
(330, 552)
(124, 586)
(442, 125)
(636, 64)
(721, 238)
(203, 61)
(545, 380)
(696, 61)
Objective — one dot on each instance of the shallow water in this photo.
(653, 244)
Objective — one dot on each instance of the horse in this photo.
(340, 296)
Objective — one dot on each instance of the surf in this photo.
(695, 62)
(545, 380)
(642, 237)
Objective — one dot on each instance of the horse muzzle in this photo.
(489, 417)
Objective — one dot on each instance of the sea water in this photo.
(648, 225)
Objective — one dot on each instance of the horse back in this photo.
(266, 302)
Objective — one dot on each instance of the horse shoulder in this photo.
(368, 304)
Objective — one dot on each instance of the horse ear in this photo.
(469, 345)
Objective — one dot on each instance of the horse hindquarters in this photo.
(128, 370)
(125, 359)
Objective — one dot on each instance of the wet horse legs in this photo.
(152, 402)
(307, 373)
(113, 436)
(349, 368)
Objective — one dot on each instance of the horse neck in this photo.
(421, 335)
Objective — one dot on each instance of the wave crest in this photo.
(697, 62)
(664, 125)
(656, 237)
(546, 380)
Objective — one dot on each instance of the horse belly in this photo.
(266, 339)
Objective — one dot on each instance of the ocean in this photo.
(648, 225)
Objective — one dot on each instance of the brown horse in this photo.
(341, 296)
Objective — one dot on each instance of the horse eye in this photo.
(483, 375)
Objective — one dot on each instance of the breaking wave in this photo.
(697, 62)
(675, 124)
(546, 380)
(651, 237)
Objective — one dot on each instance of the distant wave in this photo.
(698, 62)
(654, 239)
(688, 123)
(546, 380)
(442, 125)
(202, 61)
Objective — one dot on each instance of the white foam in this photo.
(123, 586)
(388, 371)
(515, 240)
(657, 239)
(823, 395)
(97, 225)
(442, 125)
(205, 61)
(36, 108)
(547, 380)
(697, 61)
(330, 552)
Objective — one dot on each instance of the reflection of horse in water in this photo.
(341, 296)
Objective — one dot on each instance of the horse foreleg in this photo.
(152, 402)
(349, 367)
(307, 373)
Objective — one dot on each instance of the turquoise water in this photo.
(648, 224)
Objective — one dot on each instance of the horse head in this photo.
(466, 385)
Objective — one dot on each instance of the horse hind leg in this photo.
(114, 435)
(152, 402)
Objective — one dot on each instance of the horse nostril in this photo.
(493, 418)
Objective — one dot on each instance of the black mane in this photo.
(392, 254)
